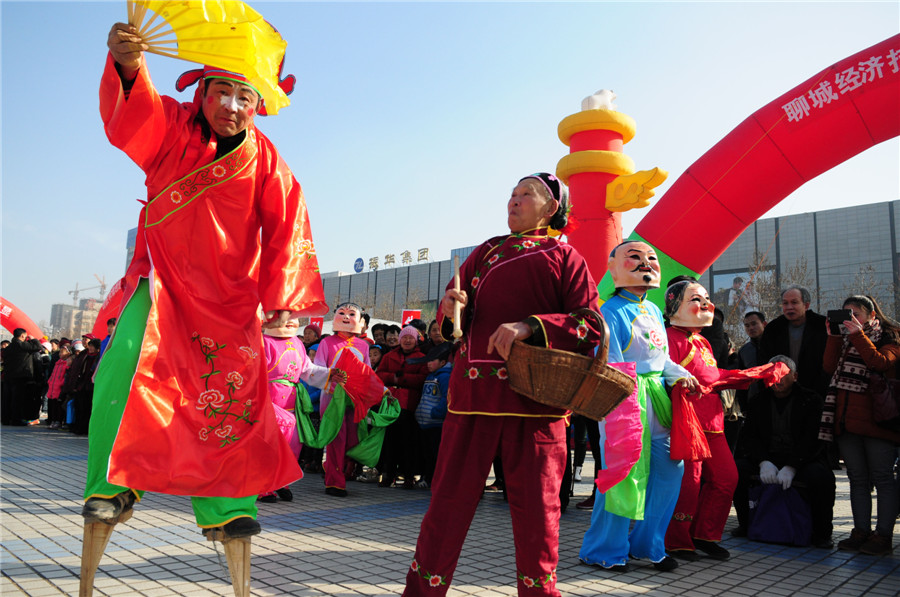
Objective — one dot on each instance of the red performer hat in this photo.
(211, 72)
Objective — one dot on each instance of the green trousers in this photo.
(113, 383)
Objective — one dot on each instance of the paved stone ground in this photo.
(361, 545)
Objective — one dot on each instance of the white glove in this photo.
(768, 472)
(786, 476)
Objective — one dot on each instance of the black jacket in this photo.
(17, 361)
(806, 412)
(775, 341)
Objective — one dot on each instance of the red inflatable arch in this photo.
(11, 317)
(840, 112)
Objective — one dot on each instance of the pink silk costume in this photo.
(197, 421)
(287, 362)
(328, 354)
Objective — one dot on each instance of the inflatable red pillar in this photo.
(602, 182)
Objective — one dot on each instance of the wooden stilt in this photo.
(96, 538)
(237, 554)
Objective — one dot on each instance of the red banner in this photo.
(319, 321)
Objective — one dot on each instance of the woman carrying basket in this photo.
(521, 286)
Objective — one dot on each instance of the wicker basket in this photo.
(584, 385)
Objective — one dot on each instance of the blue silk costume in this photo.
(649, 493)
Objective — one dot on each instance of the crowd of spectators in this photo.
(53, 376)
(789, 436)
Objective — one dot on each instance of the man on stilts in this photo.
(179, 403)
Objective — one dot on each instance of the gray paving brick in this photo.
(362, 545)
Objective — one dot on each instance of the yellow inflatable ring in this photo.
(588, 120)
(611, 162)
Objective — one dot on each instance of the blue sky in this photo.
(411, 121)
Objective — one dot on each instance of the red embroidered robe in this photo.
(197, 421)
(509, 279)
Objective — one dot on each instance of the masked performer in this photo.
(347, 325)
(287, 365)
(519, 286)
(649, 491)
(180, 396)
(701, 513)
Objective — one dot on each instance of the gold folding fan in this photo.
(227, 34)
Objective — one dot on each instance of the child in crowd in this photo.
(432, 409)
(376, 351)
(404, 378)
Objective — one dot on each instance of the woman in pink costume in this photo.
(287, 365)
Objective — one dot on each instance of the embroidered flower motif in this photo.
(657, 339)
(291, 371)
(434, 580)
(707, 357)
(501, 373)
(220, 406)
(473, 373)
(493, 259)
(248, 403)
(475, 281)
(235, 379)
(248, 351)
(528, 244)
(581, 331)
(218, 171)
(539, 582)
(213, 398)
(305, 247)
(176, 197)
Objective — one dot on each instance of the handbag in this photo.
(779, 516)
(885, 394)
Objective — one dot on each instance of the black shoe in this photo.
(336, 491)
(712, 549)
(619, 568)
(825, 543)
(269, 498)
(107, 510)
(688, 555)
(667, 564)
(237, 528)
(587, 504)
(738, 532)
(285, 494)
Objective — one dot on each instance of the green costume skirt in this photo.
(113, 384)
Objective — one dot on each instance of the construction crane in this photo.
(77, 290)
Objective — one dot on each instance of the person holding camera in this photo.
(864, 343)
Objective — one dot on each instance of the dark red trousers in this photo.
(533, 450)
(701, 513)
